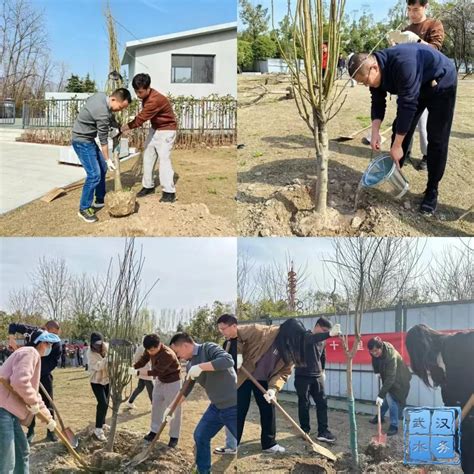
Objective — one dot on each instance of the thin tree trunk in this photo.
(113, 426)
(322, 159)
(351, 413)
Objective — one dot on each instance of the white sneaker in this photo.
(99, 434)
(130, 406)
(277, 449)
(105, 427)
(224, 450)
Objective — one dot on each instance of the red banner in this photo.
(335, 351)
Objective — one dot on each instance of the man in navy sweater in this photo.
(423, 78)
(48, 364)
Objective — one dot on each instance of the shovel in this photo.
(345, 138)
(67, 432)
(315, 447)
(143, 455)
(380, 439)
(44, 419)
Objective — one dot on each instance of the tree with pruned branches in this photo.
(370, 269)
(315, 93)
(121, 302)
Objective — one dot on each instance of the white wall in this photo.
(156, 61)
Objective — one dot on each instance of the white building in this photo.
(195, 63)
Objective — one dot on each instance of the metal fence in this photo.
(457, 315)
(193, 115)
(51, 113)
(7, 111)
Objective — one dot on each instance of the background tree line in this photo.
(259, 40)
(399, 274)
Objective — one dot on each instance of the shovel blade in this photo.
(321, 450)
(379, 440)
(71, 437)
(139, 458)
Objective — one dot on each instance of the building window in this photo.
(192, 69)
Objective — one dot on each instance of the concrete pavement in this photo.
(28, 171)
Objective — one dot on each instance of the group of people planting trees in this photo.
(96, 120)
(254, 359)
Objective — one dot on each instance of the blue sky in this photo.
(77, 31)
(192, 272)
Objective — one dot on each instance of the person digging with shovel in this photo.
(268, 354)
(95, 120)
(423, 78)
(227, 326)
(395, 376)
(158, 110)
(213, 368)
(48, 363)
(22, 370)
(166, 370)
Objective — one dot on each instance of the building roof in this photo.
(132, 46)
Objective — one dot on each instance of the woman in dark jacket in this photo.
(395, 376)
(447, 361)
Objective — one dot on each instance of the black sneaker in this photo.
(150, 436)
(326, 436)
(88, 215)
(173, 443)
(145, 191)
(168, 197)
(392, 430)
(97, 206)
(30, 435)
(375, 420)
(51, 436)
(430, 201)
(423, 164)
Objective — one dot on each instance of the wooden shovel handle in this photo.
(50, 400)
(45, 419)
(320, 449)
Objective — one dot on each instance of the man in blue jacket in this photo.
(423, 78)
(48, 364)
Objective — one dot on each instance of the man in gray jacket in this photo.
(95, 119)
(213, 368)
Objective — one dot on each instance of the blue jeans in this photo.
(213, 420)
(95, 167)
(391, 405)
(230, 440)
(14, 449)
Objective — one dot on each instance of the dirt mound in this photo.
(54, 458)
(158, 219)
(290, 210)
(311, 468)
(377, 452)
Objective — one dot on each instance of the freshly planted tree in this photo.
(119, 203)
(315, 94)
(370, 270)
(121, 304)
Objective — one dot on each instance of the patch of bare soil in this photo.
(277, 164)
(206, 188)
(55, 458)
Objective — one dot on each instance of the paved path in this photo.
(29, 171)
